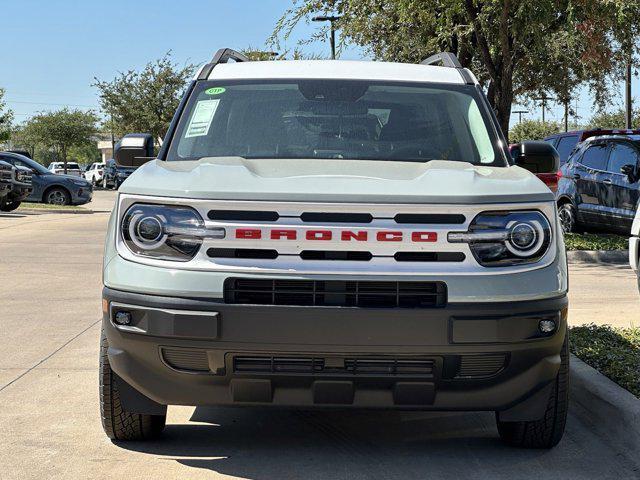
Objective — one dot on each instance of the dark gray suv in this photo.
(49, 187)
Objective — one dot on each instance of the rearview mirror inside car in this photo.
(134, 150)
(630, 172)
(536, 156)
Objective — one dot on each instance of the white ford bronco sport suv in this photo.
(335, 234)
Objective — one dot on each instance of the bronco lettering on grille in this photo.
(325, 235)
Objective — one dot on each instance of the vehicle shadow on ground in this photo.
(273, 445)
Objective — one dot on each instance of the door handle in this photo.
(606, 181)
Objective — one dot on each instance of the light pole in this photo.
(628, 117)
(520, 112)
(332, 39)
(543, 103)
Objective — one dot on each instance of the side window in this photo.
(595, 157)
(621, 155)
(565, 147)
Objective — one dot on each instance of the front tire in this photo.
(9, 207)
(118, 423)
(547, 431)
(57, 196)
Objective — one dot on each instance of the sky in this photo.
(52, 49)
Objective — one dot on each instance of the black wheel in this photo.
(57, 196)
(9, 207)
(116, 184)
(546, 432)
(118, 423)
(568, 217)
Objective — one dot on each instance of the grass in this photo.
(614, 352)
(594, 241)
(46, 206)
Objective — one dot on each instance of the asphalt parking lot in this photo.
(50, 427)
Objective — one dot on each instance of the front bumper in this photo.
(477, 356)
(19, 192)
(81, 195)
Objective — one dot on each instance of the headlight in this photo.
(80, 183)
(499, 239)
(165, 232)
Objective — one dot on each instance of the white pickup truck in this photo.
(335, 234)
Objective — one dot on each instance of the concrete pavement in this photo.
(50, 427)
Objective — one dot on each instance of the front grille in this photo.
(335, 366)
(243, 215)
(192, 360)
(481, 365)
(335, 293)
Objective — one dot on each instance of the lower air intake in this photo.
(335, 293)
(191, 360)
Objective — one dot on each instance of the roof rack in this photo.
(448, 59)
(221, 56)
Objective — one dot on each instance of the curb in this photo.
(617, 257)
(42, 211)
(607, 409)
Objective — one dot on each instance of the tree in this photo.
(25, 137)
(613, 120)
(517, 48)
(532, 130)
(144, 101)
(63, 130)
(6, 117)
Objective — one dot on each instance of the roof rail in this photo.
(221, 56)
(448, 59)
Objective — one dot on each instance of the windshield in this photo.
(32, 164)
(335, 119)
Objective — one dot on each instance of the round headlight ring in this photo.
(526, 249)
(138, 238)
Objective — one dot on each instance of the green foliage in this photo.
(59, 131)
(532, 130)
(6, 117)
(615, 352)
(85, 154)
(144, 101)
(591, 241)
(613, 120)
(516, 48)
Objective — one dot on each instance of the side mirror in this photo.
(134, 149)
(536, 156)
(629, 171)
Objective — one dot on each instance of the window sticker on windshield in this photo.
(215, 90)
(202, 117)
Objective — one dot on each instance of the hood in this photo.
(361, 181)
(68, 177)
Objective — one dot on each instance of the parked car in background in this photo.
(599, 186)
(48, 187)
(114, 174)
(565, 142)
(21, 188)
(94, 173)
(6, 174)
(72, 168)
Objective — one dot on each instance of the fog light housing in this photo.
(547, 326)
(122, 318)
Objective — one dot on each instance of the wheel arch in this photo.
(51, 187)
